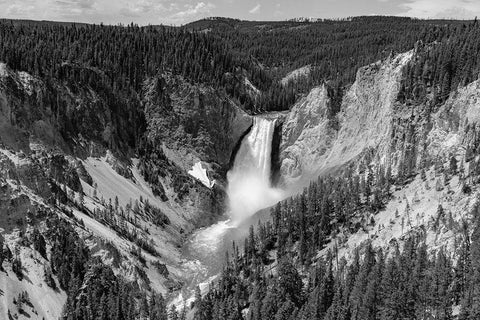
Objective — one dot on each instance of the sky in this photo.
(177, 12)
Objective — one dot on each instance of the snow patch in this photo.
(199, 172)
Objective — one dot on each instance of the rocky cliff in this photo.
(315, 142)
(440, 200)
(430, 153)
(193, 123)
(139, 179)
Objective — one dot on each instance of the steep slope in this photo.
(307, 137)
(415, 209)
(314, 141)
(132, 204)
(193, 123)
(389, 222)
(374, 131)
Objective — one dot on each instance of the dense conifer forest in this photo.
(122, 57)
(335, 49)
(276, 273)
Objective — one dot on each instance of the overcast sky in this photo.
(182, 11)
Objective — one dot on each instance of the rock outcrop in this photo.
(314, 142)
(307, 136)
(455, 121)
(193, 122)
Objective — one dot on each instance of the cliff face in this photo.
(192, 130)
(433, 156)
(455, 122)
(307, 137)
(445, 152)
(314, 143)
(193, 122)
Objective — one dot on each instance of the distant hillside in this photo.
(41, 23)
(335, 49)
(292, 44)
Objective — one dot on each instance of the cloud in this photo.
(73, 7)
(278, 11)
(256, 9)
(82, 4)
(458, 9)
(142, 8)
(191, 12)
(18, 10)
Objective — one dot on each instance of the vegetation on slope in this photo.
(280, 274)
(114, 62)
(334, 48)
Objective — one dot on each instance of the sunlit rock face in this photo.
(315, 142)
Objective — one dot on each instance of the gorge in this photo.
(281, 167)
(249, 190)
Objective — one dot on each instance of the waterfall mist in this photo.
(249, 187)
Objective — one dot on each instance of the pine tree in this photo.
(453, 165)
(270, 304)
(17, 267)
(39, 243)
(289, 282)
(173, 314)
(371, 303)
(2, 253)
(461, 270)
(392, 303)
(441, 293)
(471, 302)
(287, 309)
(81, 199)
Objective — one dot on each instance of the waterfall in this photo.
(249, 188)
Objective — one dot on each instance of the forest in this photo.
(116, 60)
(121, 58)
(277, 272)
(93, 290)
